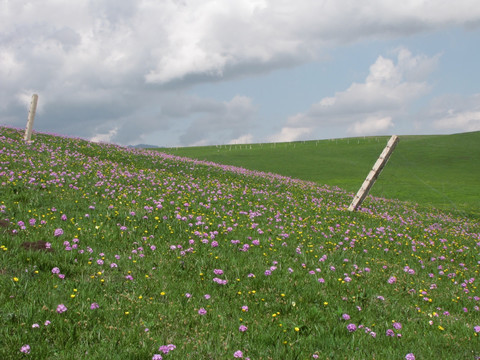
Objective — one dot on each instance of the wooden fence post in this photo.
(372, 176)
(31, 118)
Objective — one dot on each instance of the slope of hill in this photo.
(118, 253)
(438, 170)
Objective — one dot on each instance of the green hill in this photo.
(436, 170)
(119, 253)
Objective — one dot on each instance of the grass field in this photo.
(441, 171)
(115, 253)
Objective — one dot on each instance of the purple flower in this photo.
(238, 354)
(35, 326)
(64, 217)
(242, 328)
(202, 311)
(220, 281)
(100, 262)
(157, 357)
(58, 232)
(397, 325)
(268, 272)
(167, 348)
(477, 328)
(351, 327)
(47, 323)
(207, 296)
(55, 270)
(410, 356)
(94, 306)
(346, 317)
(245, 247)
(389, 332)
(25, 349)
(218, 271)
(61, 308)
(244, 308)
(392, 280)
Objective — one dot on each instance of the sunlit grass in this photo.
(439, 171)
(140, 250)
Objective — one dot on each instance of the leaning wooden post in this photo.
(372, 176)
(31, 118)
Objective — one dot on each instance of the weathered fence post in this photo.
(372, 176)
(31, 118)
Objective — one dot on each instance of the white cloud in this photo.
(369, 107)
(415, 68)
(371, 125)
(288, 134)
(464, 121)
(453, 113)
(221, 122)
(110, 62)
(10, 66)
(244, 139)
(105, 137)
(216, 38)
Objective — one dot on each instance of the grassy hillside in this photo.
(116, 253)
(441, 171)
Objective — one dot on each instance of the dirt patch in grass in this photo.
(39, 245)
(5, 227)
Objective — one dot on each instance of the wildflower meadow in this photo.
(117, 253)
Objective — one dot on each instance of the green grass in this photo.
(439, 170)
(147, 236)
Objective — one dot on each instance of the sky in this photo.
(210, 72)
